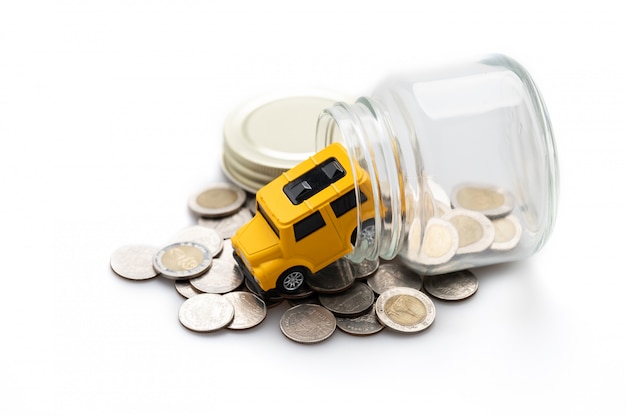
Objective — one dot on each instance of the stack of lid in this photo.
(269, 135)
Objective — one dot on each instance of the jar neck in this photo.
(365, 129)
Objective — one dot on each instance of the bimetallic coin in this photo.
(227, 226)
(205, 236)
(406, 310)
(219, 200)
(508, 233)
(391, 275)
(206, 312)
(134, 262)
(184, 288)
(182, 260)
(453, 286)
(250, 310)
(438, 244)
(475, 230)
(334, 278)
(223, 276)
(308, 323)
(486, 199)
(349, 303)
(363, 325)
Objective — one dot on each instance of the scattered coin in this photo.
(182, 260)
(205, 236)
(475, 230)
(334, 278)
(391, 275)
(365, 268)
(308, 323)
(508, 233)
(184, 288)
(486, 199)
(227, 226)
(134, 262)
(218, 200)
(223, 276)
(250, 310)
(404, 309)
(363, 325)
(349, 303)
(452, 286)
(206, 312)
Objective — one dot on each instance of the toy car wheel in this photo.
(368, 232)
(292, 280)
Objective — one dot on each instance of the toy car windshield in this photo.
(314, 181)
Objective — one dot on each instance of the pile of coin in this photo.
(359, 299)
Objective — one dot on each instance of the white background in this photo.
(111, 116)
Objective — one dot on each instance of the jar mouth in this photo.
(544, 128)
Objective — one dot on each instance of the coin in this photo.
(438, 245)
(250, 310)
(363, 325)
(218, 200)
(334, 278)
(308, 323)
(184, 288)
(206, 312)
(508, 233)
(349, 303)
(182, 260)
(223, 276)
(487, 199)
(134, 262)
(475, 230)
(227, 226)
(365, 268)
(210, 238)
(452, 286)
(391, 275)
(404, 309)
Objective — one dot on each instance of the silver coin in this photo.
(508, 233)
(313, 298)
(210, 238)
(334, 278)
(218, 200)
(206, 312)
(475, 230)
(184, 288)
(391, 275)
(134, 262)
(365, 268)
(223, 276)
(227, 226)
(349, 303)
(250, 310)
(308, 323)
(363, 325)
(452, 286)
(486, 199)
(406, 310)
(182, 260)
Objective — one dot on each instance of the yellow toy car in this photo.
(305, 220)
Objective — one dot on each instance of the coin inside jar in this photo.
(508, 233)
(486, 199)
(475, 230)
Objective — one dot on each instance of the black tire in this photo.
(292, 280)
(367, 227)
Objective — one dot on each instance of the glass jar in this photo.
(462, 165)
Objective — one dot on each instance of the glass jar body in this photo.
(462, 163)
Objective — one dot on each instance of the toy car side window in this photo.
(314, 181)
(346, 202)
(308, 225)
